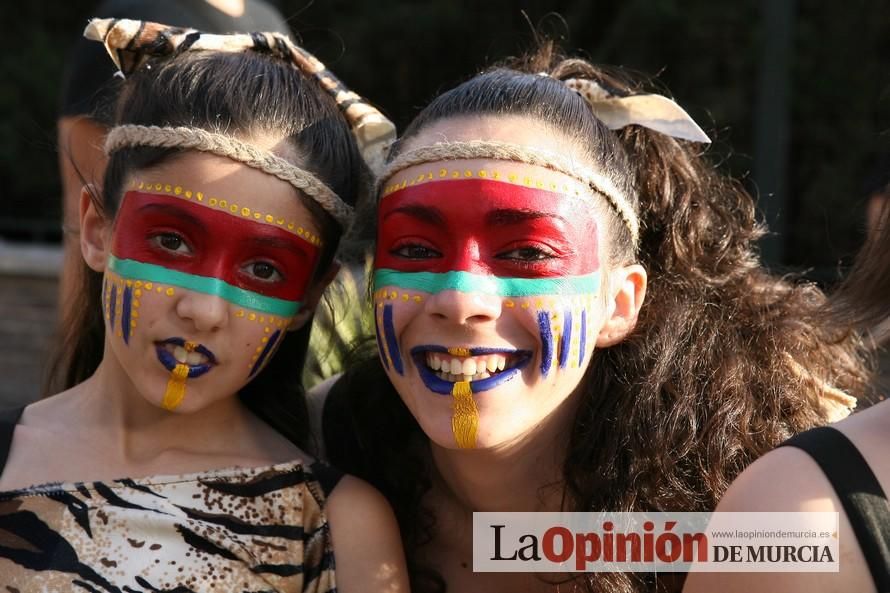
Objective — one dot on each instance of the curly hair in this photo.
(726, 360)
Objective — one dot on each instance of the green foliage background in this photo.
(400, 54)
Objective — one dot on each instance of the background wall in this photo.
(793, 92)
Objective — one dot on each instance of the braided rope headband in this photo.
(235, 149)
(131, 43)
(504, 151)
(655, 112)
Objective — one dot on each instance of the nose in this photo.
(464, 308)
(207, 312)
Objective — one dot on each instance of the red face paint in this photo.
(486, 227)
(195, 239)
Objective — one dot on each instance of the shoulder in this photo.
(787, 480)
(365, 537)
(40, 443)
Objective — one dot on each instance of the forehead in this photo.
(241, 188)
(497, 174)
(525, 131)
(522, 131)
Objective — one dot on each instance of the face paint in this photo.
(536, 251)
(162, 244)
(481, 228)
(174, 241)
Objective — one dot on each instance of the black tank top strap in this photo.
(8, 420)
(328, 477)
(859, 491)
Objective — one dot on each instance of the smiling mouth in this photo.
(178, 351)
(482, 368)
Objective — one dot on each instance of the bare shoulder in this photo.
(367, 545)
(785, 479)
(788, 479)
(41, 444)
(870, 432)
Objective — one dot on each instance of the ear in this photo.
(628, 290)
(95, 231)
(313, 295)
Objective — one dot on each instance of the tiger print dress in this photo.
(231, 530)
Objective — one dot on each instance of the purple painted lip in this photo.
(169, 361)
(438, 385)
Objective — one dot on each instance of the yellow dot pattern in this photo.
(273, 322)
(229, 207)
(269, 322)
(393, 295)
(443, 173)
(554, 306)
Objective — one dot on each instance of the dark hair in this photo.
(242, 94)
(864, 296)
(726, 360)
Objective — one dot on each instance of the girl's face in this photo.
(208, 265)
(489, 287)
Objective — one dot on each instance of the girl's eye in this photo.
(415, 251)
(171, 242)
(263, 271)
(527, 254)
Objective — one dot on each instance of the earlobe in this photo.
(95, 232)
(628, 293)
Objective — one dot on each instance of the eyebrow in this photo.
(173, 211)
(507, 216)
(425, 213)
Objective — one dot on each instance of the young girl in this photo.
(172, 462)
(842, 469)
(524, 218)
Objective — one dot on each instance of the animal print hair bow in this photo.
(130, 43)
(652, 111)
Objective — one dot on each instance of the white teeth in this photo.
(472, 368)
(180, 354)
(183, 356)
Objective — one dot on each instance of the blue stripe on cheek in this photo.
(389, 332)
(566, 340)
(546, 342)
(583, 345)
(125, 314)
(270, 345)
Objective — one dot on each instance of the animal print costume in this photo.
(230, 530)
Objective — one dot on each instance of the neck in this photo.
(523, 475)
(142, 432)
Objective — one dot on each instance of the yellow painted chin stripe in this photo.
(465, 419)
(175, 392)
(459, 351)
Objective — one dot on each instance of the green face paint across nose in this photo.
(434, 282)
